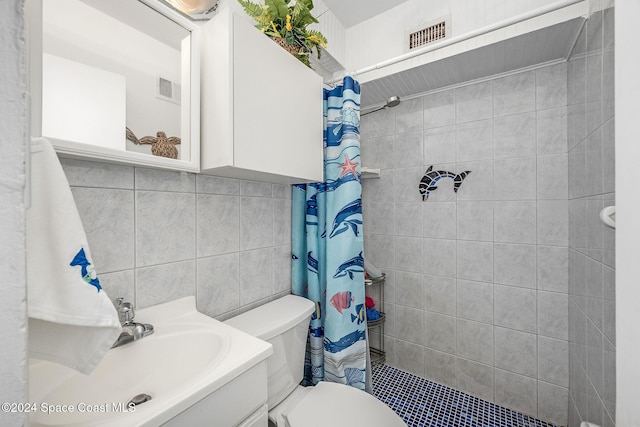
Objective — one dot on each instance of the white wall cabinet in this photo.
(94, 70)
(261, 108)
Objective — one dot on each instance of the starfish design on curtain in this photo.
(348, 167)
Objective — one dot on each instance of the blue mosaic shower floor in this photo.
(423, 403)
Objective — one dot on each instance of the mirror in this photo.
(119, 82)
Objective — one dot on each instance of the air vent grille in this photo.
(165, 87)
(168, 90)
(427, 35)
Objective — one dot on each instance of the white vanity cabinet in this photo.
(261, 108)
(242, 402)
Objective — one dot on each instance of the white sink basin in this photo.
(188, 357)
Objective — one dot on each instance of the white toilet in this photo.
(285, 323)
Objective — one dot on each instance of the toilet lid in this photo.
(338, 405)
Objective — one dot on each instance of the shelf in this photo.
(82, 151)
(377, 322)
(375, 280)
(377, 356)
(366, 173)
(376, 327)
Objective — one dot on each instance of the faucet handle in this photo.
(125, 311)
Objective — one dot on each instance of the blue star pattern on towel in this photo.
(86, 269)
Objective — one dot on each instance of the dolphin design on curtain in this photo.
(327, 247)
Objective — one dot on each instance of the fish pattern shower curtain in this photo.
(327, 247)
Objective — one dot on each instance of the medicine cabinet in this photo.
(105, 74)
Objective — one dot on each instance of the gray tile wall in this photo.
(157, 235)
(477, 289)
(591, 244)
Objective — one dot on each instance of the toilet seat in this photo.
(332, 404)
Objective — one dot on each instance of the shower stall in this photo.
(501, 287)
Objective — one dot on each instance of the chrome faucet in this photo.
(131, 331)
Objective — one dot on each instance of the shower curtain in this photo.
(327, 248)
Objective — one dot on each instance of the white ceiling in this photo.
(545, 45)
(352, 12)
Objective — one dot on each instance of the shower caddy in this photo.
(374, 288)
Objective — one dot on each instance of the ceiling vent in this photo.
(429, 33)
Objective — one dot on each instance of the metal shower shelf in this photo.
(375, 286)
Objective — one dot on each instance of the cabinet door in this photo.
(260, 418)
(277, 108)
(261, 107)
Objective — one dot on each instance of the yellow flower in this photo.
(316, 40)
(289, 27)
(274, 28)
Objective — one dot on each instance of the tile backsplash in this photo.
(158, 235)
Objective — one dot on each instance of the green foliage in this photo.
(288, 20)
(303, 18)
(297, 8)
(254, 10)
(277, 8)
(316, 39)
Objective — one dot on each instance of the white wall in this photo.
(384, 36)
(627, 67)
(331, 27)
(12, 249)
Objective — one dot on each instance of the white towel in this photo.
(71, 319)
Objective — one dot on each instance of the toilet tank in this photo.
(285, 324)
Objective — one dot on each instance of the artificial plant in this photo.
(287, 20)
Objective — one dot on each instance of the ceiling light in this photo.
(193, 7)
